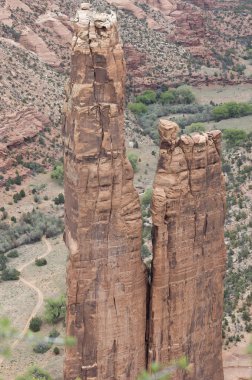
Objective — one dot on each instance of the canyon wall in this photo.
(106, 280)
(188, 209)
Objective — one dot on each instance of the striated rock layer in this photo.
(188, 209)
(106, 281)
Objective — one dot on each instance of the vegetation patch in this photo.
(42, 347)
(13, 254)
(58, 173)
(133, 159)
(35, 373)
(31, 227)
(40, 262)
(35, 324)
(10, 274)
(55, 309)
(181, 102)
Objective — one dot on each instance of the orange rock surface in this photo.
(106, 279)
(188, 209)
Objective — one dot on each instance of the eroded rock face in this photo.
(188, 209)
(106, 280)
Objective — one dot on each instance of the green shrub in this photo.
(246, 316)
(184, 95)
(36, 198)
(234, 137)
(56, 351)
(30, 228)
(168, 97)
(35, 324)
(54, 333)
(35, 167)
(133, 159)
(35, 373)
(10, 274)
(14, 219)
(146, 198)
(3, 261)
(40, 262)
(60, 199)
(16, 197)
(11, 32)
(17, 179)
(196, 127)
(13, 254)
(42, 347)
(230, 110)
(4, 213)
(181, 95)
(147, 97)
(137, 108)
(145, 252)
(58, 173)
(55, 309)
(22, 193)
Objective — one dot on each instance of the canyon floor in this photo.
(18, 298)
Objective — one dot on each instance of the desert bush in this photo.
(231, 109)
(196, 127)
(145, 252)
(35, 167)
(56, 351)
(40, 262)
(4, 214)
(184, 95)
(16, 197)
(22, 193)
(146, 198)
(234, 137)
(168, 97)
(133, 159)
(54, 333)
(147, 97)
(246, 316)
(11, 32)
(181, 95)
(35, 373)
(3, 261)
(10, 274)
(30, 228)
(36, 198)
(13, 254)
(137, 108)
(42, 347)
(58, 173)
(55, 309)
(60, 199)
(35, 324)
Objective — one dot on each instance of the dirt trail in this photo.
(37, 290)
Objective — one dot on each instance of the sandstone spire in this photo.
(106, 309)
(188, 209)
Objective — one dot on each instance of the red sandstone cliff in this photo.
(188, 209)
(106, 280)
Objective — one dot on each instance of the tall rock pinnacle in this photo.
(188, 209)
(106, 280)
(106, 309)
